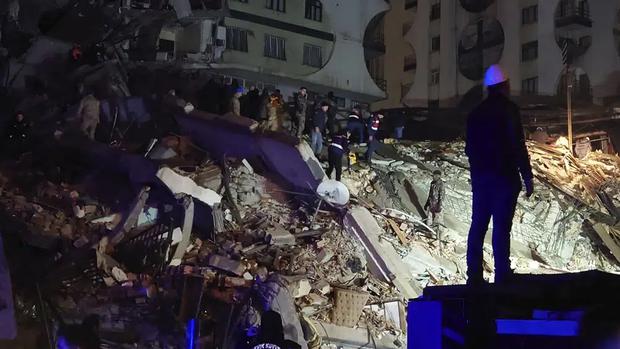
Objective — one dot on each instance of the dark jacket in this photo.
(354, 118)
(398, 119)
(373, 125)
(301, 104)
(319, 120)
(436, 195)
(339, 145)
(495, 143)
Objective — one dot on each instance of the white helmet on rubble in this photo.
(495, 75)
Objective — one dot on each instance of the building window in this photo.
(314, 10)
(529, 51)
(435, 43)
(410, 62)
(404, 89)
(313, 56)
(237, 39)
(275, 47)
(529, 15)
(411, 4)
(529, 86)
(276, 5)
(435, 77)
(435, 11)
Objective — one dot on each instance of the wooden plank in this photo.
(401, 236)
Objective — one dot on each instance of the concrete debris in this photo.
(299, 287)
(180, 184)
(226, 264)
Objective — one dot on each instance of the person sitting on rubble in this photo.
(355, 125)
(373, 129)
(338, 148)
(88, 113)
(18, 134)
(235, 102)
(434, 203)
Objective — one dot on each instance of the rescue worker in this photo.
(301, 106)
(235, 103)
(18, 134)
(89, 114)
(497, 155)
(355, 125)
(338, 148)
(331, 113)
(434, 203)
(273, 107)
(319, 120)
(540, 135)
(373, 128)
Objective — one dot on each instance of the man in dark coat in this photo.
(338, 148)
(497, 156)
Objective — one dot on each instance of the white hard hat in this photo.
(494, 75)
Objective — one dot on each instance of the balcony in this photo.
(570, 16)
(375, 42)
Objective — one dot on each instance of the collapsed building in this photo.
(213, 225)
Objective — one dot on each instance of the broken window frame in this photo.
(276, 5)
(237, 39)
(314, 10)
(275, 47)
(313, 56)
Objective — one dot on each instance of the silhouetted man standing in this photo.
(497, 155)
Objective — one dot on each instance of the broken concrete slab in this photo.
(298, 287)
(179, 184)
(281, 237)
(348, 306)
(382, 258)
(226, 264)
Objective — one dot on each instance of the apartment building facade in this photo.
(454, 41)
(285, 44)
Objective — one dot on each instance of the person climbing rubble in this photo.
(89, 115)
(434, 203)
(373, 129)
(355, 125)
(497, 155)
(338, 148)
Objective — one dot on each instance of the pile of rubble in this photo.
(548, 234)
